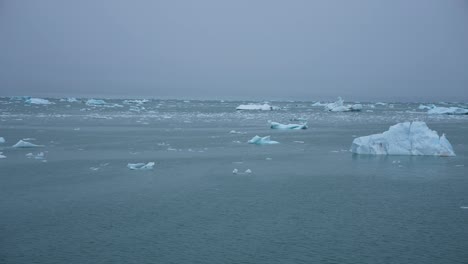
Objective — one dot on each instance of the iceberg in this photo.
(264, 107)
(448, 111)
(339, 106)
(262, 141)
(276, 125)
(140, 166)
(408, 138)
(236, 171)
(2, 156)
(38, 101)
(2, 140)
(25, 144)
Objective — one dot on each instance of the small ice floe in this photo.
(236, 171)
(268, 159)
(380, 103)
(262, 141)
(319, 104)
(140, 166)
(408, 138)
(459, 165)
(339, 106)
(77, 129)
(2, 140)
(38, 101)
(448, 111)
(2, 156)
(426, 107)
(25, 144)
(264, 107)
(94, 168)
(299, 142)
(38, 156)
(463, 207)
(276, 125)
(94, 102)
(235, 132)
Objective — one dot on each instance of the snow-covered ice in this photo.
(38, 101)
(140, 166)
(262, 141)
(339, 106)
(408, 138)
(448, 111)
(25, 144)
(264, 107)
(276, 125)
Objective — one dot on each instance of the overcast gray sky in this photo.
(361, 50)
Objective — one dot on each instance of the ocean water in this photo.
(307, 200)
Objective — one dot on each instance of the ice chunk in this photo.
(409, 138)
(264, 107)
(262, 141)
(93, 102)
(448, 111)
(319, 104)
(2, 140)
(38, 101)
(2, 156)
(236, 171)
(276, 125)
(339, 106)
(140, 166)
(25, 144)
(426, 107)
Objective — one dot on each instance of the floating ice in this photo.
(236, 171)
(140, 166)
(426, 107)
(339, 106)
(262, 141)
(409, 138)
(2, 140)
(319, 104)
(448, 111)
(38, 101)
(38, 156)
(264, 107)
(2, 156)
(235, 132)
(93, 102)
(276, 125)
(25, 144)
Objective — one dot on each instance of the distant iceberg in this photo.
(93, 102)
(276, 125)
(38, 101)
(447, 111)
(2, 140)
(2, 156)
(426, 107)
(140, 166)
(262, 141)
(409, 138)
(25, 144)
(339, 106)
(319, 104)
(264, 107)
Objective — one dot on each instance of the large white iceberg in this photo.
(25, 144)
(140, 166)
(262, 141)
(448, 111)
(408, 138)
(38, 101)
(264, 107)
(339, 106)
(276, 125)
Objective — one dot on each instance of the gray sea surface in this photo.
(307, 200)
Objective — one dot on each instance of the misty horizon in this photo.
(266, 50)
